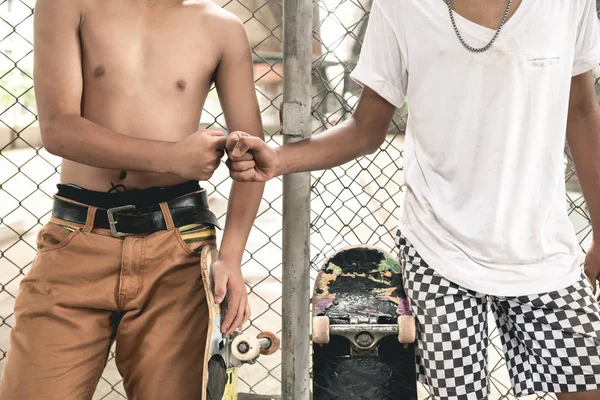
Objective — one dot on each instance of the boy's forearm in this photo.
(244, 200)
(334, 147)
(78, 139)
(583, 136)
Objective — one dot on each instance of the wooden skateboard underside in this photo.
(362, 283)
(220, 379)
(225, 355)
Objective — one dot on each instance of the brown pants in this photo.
(85, 289)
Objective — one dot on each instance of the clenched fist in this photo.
(197, 156)
(250, 159)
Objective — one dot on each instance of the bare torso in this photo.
(146, 69)
(487, 13)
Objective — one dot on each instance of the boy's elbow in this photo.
(50, 136)
(374, 140)
(370, 136)
(373, 146)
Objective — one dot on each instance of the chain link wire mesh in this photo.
(351, 204)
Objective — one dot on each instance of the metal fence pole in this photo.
(297, 46)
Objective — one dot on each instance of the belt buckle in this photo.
(113, 223)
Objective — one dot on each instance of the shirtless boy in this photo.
(120, 87)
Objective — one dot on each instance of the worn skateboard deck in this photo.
(220, 378)
(359, 291)
(224, 355)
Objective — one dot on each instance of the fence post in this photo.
(296, 125)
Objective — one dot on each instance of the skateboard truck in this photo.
(363, 332)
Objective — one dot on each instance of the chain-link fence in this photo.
(352, 204)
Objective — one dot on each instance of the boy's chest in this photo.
(534, 50)
(122, 46)
(539, 34)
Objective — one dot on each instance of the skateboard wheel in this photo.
(273, 340)
(407, 331)
(245, 347)
(320, 329)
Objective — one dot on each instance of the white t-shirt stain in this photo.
(484, 150)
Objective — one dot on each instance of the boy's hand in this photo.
(229, 281)
(197, 156)
(250, 159)
(592, 266)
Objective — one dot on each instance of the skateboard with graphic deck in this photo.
(224, 355)
(362, 329)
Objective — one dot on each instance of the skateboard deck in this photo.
(224, 355)
(363, 332)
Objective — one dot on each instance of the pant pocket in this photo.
(194, 237)
(56, 234)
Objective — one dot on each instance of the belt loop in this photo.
(167, 216)
(89, 220)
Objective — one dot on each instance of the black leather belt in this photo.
(127, 219)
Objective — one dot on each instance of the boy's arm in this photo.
(583, 136)
(65, 133)
(237, 94)
(362, 134)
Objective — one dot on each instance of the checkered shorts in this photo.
(551, 340)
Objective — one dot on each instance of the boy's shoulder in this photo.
(212, 14)
(221, 25)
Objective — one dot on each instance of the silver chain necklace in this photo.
(471, 48)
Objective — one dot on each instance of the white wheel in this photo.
(407, 330)
(320, 329)
(245, 347)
